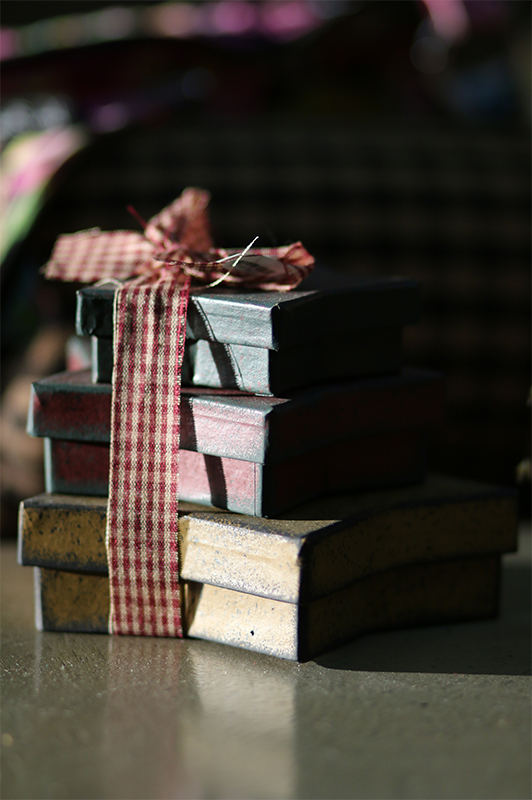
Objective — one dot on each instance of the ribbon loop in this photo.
(185, 221)
(176, 243)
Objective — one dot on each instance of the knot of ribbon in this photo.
(159, 267)
(176, 245)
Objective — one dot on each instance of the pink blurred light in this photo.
(233, 16)
(9, 44)
(449, 19)
(33, 157)
(288, 19)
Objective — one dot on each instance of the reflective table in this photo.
(438, 712)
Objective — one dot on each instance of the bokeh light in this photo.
(449, 19)
(234, 17)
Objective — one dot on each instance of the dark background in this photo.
(386, 141)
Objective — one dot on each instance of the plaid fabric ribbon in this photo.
(160, 266)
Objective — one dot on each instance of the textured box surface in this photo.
(276, 320)
(272, 342)
(249, 427)
(250, 454)
(320, 548)
(264, 490)
(369, 351)
(421, 594)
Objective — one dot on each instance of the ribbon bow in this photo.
(176, 245)
(159, 266)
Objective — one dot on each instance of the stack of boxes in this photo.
(306, 515)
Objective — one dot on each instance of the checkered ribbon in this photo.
(150, 316)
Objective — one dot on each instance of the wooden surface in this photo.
(232, 424)
(292, 560)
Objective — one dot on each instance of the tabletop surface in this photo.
(438, 712)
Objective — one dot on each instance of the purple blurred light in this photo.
(110, 117)
(9, 43)
(233, 17)
(449, 19)
(288, 19)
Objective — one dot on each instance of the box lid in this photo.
(250, 427)
(314, 550)
(325, 304)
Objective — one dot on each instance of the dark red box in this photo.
(251, 454)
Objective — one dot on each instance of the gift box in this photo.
(458, 590)
(273, 342)
(253, 454)
(292, 587)
(252, 439)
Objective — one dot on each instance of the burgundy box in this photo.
(248, 487)
(251, 454)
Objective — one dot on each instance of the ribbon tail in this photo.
(142, 519)
(95, 255)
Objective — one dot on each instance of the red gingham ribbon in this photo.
(160, 266)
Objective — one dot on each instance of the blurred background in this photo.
(392, 138)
